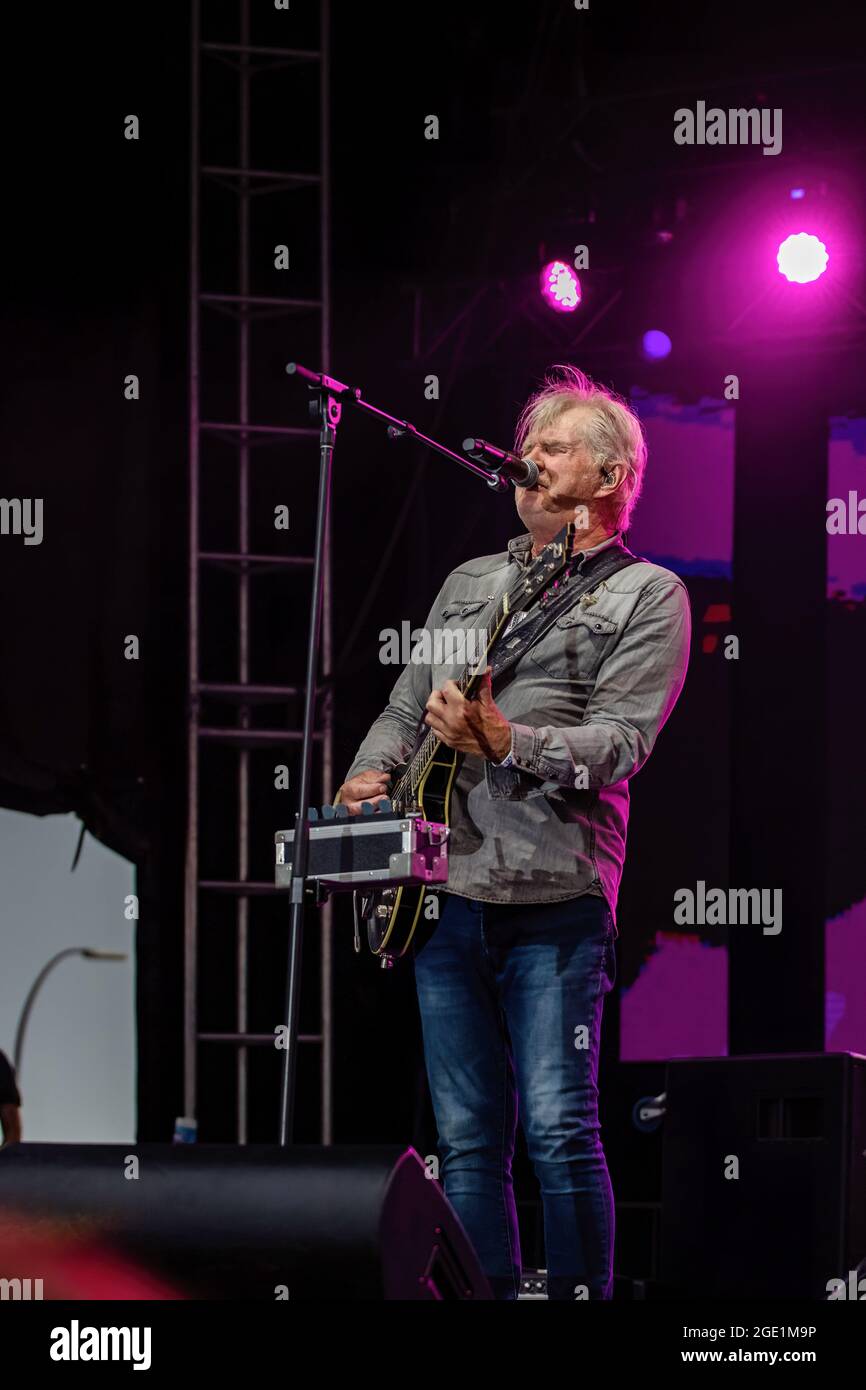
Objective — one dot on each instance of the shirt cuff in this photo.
(528, 755)
(508, 760)
(525, 748)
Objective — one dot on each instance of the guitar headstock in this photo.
(546, 568)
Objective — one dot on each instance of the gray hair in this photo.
(612, 433)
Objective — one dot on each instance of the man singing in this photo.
(512, 981)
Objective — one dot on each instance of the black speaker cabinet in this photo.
(254, 1222)
(764, 1174)
(633, 1149)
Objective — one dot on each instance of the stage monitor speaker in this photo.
(254, 1222)
(764, 1174)
(633, 1148)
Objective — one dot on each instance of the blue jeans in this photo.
(511, 999)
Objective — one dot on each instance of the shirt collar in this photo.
(520, 548)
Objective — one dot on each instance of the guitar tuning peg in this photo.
(385, 805)
(312, 813)
(329, 812)
(341, 812)
(367, 808)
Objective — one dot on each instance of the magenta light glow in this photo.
(560, 286)
(802, 257)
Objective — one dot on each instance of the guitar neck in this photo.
(408, 785)
(552, 561)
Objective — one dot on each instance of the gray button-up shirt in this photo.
(585, 704)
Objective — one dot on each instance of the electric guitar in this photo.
(424, 784)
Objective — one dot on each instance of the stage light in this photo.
(797, 193)
(560, 286)
(802, 257)
(656, 344)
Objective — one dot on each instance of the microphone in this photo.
(522, 472)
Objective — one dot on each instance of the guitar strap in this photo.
(511, 647)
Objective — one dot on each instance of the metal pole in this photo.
(242, 906)
(328, 714)
(89, 953)
(329, 416)
(31, 999)
(191, 865)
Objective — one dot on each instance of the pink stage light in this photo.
(560, 286)
(802, 257)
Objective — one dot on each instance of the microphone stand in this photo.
(328, 396)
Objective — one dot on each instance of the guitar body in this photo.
(392, 914)
(425, 784)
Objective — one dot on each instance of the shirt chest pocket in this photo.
(459, 639)
(462, 608)
(576, 644)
